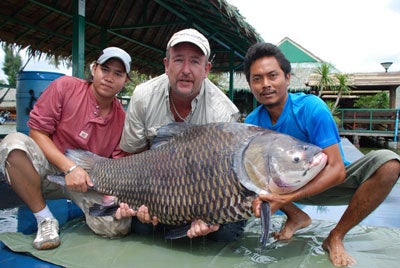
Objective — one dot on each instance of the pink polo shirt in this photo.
(68, 111)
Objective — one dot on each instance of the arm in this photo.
(78, 179)
(334, 173)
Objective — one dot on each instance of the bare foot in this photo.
(337, 254)
(293, 223)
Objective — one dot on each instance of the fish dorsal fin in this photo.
(167, 132)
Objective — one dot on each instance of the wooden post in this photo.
(356, 141)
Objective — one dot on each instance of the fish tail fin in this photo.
(101, 210)
(178, 232)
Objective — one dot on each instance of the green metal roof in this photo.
(296, 53)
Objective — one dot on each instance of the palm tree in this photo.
(337, 82)
(341, 87)
(325, 79)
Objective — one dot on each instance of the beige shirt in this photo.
(149, 109)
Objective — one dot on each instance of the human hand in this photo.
(124, 211)
(144, 216)
(200, 228)
(78, 180)
(276, 201)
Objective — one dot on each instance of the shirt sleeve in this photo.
(134, 133)
(46, 113)
(322, 129)
(221, 108)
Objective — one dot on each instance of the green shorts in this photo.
(356, 173)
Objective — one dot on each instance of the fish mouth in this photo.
(281, 184)
(319, 159)
(277, 185)
(314, 166)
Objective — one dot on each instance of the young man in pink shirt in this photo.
(70, 114)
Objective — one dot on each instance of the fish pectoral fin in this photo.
(265, 222)
(178, 232)
(100, 210)
(58, 179)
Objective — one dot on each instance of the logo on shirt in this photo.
(83, 134)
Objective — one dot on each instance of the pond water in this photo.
(8, 220)
(7, 127)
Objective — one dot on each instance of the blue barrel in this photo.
(30, 84)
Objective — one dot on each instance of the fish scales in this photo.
(179, 174)
(210, 172)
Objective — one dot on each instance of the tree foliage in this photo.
(325, 81)
(340, 87)
(379, 100)
(219, 80)
(12, 64)
(336, 82)
(136, 79)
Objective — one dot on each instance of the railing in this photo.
(369, 122)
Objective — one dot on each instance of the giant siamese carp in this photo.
(211, 172)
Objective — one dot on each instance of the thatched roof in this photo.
(380, 80)
(141, 27)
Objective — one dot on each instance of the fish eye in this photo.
(296, 159)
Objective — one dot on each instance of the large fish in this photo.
(211, 172)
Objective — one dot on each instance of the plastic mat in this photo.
(371, 246)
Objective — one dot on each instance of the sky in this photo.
(33, 64)
(353, 35)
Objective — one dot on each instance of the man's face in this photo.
(268, 82)
(186, 68)
(109, 78)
